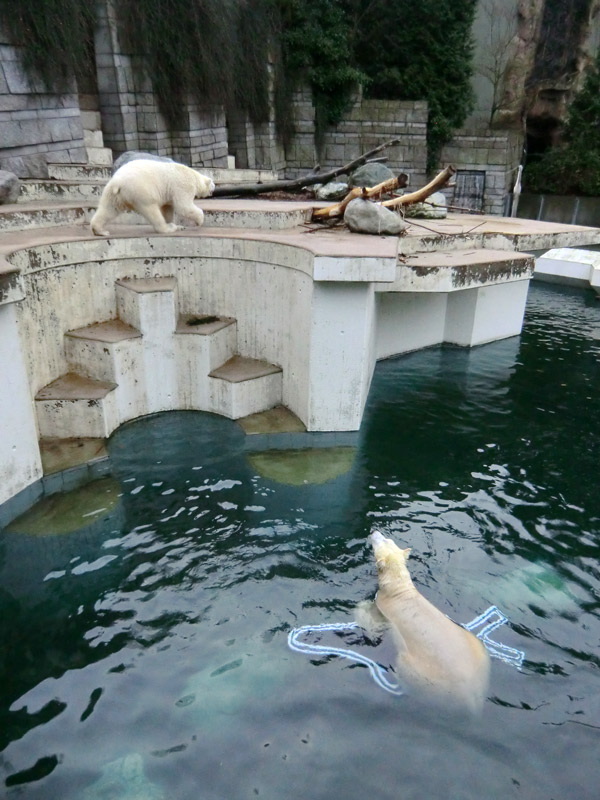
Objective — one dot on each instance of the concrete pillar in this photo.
(342, 354)
(20, 462)
(116, 88)
(484, 314)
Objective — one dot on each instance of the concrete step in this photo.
(202, 342)
(150, 306)
(92, 138)
(75, 406)
(99, 156)
(79, 172)
(244, 386)
(218, 213)
(227, 176)
(111, 351)
(62, 190)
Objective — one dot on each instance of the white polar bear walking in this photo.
(156, 190)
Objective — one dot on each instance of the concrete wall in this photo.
(20, 463)
(35, 125)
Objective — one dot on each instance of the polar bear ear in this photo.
(407, 552)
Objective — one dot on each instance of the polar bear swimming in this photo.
(435, 655)
(156, 190)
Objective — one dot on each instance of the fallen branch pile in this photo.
(251, 189)
(387, 187)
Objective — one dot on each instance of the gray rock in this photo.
(434, 207)
(370, 175)
(33, 166)
(363, 216)
(333, 190)
(10, 187)
(133, 155)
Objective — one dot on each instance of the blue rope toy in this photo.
(487, 622)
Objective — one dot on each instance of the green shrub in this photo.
(421, 51)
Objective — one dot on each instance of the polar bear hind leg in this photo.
(107, 211)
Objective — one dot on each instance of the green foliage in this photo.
(316, 41)
(573, 167)
(420, 51)
(57, 37)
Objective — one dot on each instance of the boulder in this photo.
(132, 155)
(10, 187)
(434, 207)
(370, 174)
(334, 190)
(363, 216)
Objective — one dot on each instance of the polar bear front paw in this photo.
(171, 227)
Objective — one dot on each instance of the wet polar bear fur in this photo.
(154, 189)
(435, 655)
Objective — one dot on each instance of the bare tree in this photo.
(498, 29)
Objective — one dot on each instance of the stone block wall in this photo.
(131, 119)
(367, 124)
(497, 153)
(256, 146)
(36, 126)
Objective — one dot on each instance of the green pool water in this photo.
(144, 649)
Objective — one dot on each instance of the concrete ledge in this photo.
(454, 271)
(239, 369)
(11, 287)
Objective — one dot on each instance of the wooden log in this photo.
(438, 182)
(251, 189)
(375, 192)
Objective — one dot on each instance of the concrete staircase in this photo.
(151, 359)
(93, 139)
(85, 182)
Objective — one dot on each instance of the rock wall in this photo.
(555, 42)
(36, 126)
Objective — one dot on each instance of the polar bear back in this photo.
(144, 182)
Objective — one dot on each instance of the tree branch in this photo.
(378, 191)
(242, 190)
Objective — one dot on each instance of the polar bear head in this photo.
(204, 185)
(390, 559)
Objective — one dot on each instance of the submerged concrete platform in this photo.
(315, 307)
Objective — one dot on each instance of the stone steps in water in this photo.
(151, 358)
(244, 386)
(75, 406)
